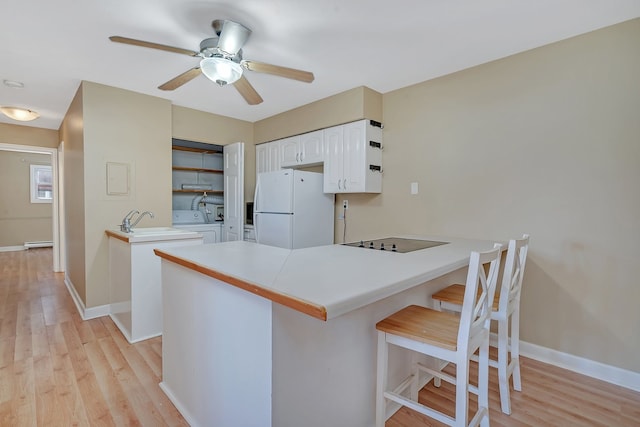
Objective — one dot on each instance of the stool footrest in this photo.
(436, 415)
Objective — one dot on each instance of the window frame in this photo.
(34, 169)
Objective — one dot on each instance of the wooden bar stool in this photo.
(505, 307)
(444, 336)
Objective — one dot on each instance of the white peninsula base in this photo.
(232, 358)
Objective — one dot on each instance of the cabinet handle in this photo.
(298, 157)
(344, 183)
(339, 188)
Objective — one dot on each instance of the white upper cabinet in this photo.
(302, 150)
(353, 158)
(351, 153)
(289, 151)
(312, 145)
(268, 157)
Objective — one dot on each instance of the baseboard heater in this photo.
(39, 244)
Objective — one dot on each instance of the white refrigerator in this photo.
(291, 210)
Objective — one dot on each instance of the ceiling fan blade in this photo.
(232, 36)
(247, 91)
(183, 78)
(126, 40)
(290, 73)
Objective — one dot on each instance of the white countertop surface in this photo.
(153, 234)
(337, 278)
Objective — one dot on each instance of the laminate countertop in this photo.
(324, 281)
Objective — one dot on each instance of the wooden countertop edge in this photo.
(313, 310)
(116, 236)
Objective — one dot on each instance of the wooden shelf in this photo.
(196, 150)
(175, 190)
(185, 169)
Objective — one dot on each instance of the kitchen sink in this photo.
(155, 230)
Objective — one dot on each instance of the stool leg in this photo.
(416, 376)
(462, 391)
(515, 348)
(381, 381)
(503, 362)
(483, 381)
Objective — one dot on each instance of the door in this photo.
(274, 192)
(290, 151)
(274, 229)
(353, 153)
(233, 192)
(333, 161)
(312, 147)
(262, 158)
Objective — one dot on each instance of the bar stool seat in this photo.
(505, 308)
(444, 336)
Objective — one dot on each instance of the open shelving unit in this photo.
(196, 164)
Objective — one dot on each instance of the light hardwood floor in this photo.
(57, 370)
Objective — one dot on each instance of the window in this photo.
(41, 184)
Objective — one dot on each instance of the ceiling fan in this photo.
(222, 60)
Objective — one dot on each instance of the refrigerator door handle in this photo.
(256, 208)
(256, 228)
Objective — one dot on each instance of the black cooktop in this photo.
(396, 244)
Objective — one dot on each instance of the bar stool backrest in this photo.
(513, 274)
(476, 309)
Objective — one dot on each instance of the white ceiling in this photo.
(52, 45)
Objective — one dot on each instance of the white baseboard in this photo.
(178, 404)
(591, 368)
(12, 248)
(85, 313)
(39, 244)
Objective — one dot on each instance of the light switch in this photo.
(414, 188)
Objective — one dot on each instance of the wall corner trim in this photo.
(85, 313)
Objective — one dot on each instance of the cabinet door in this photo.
(312, 148)
(290, 151)
(333, 162)
(267, 157)
(275, 160)
(354, 157)
(233, 191)
(262, 158)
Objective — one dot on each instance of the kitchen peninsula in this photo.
(256, 335)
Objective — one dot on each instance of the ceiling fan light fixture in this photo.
(220, 70)
(20, 114)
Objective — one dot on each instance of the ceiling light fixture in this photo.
(13, 84)
(20, 114)
(220, 70)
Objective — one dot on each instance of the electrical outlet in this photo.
(345, 204)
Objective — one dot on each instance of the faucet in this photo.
(125, 227)
(141, 216)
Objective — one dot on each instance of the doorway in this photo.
(56, 214)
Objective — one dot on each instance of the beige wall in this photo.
(71, 133)
(122, 127)
(349, 106)
(27, 135)
(20, 220)
(546, 142)
(106, 124)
